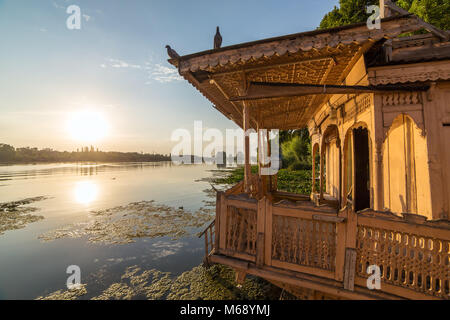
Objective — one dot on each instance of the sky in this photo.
(115, 66)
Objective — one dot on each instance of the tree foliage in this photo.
(9, 154)
(435, 12)
(296, 149)
(349, 11)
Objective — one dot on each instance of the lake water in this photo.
(31, 267)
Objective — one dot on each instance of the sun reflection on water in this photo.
(86, 192)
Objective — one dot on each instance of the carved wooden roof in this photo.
(317, 57)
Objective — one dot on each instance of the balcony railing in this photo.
(412, 254)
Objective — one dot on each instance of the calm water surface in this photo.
(30, 267)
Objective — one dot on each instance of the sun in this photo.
(87, 126)
(86, 192)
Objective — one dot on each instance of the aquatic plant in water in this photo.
(72, 294)
(13, 215)
(125, 224)
(215, 283)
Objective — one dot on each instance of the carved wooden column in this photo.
(378, 138)
(313, 186)
(267, 179)
(322, 155)
(247, 167)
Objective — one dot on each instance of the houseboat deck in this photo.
(297, 244)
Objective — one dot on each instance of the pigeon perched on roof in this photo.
(217, 39)
(172, 53)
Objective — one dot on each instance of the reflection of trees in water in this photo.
(82, 169)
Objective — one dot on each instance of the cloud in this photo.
(155, 71)
(165, 249)
(161, 73)
(58, 6)
(117, 63)
(43, 30)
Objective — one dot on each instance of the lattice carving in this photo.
(304, 242)
(241, 230)
(407, 260)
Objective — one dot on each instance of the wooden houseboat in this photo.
(376, 103)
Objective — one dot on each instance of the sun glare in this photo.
(86, 192)
(87, 126)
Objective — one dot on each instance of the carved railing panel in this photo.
(406, 259)
(241, 230)
(304, 242)
(413, 254)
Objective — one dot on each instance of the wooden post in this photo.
(206, 246)
(350, 266)
(268, 187)
(240, 277)
(322, 155)
(350, 251)
(341, 235)
(268, 233)
(339, 145)
(223, 223)
(260, 226)
(313, 186)
(264, 178)
(217, 223)
(259, 150)
(247, 167)
(384, 10)
(378, 182)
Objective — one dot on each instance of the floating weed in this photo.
(137, 284)
(13, 215)
(215, 283)
(69, 294)
(125, 224)
(218, 283)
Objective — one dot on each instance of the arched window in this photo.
(357, 182)
(330, 164)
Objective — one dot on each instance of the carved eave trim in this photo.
(280, 46)
(417, 72)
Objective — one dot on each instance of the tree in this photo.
(7, 152)
(434, 12)
(349, 11)
(296, 149)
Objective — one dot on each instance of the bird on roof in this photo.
(172, 53)
(217, 39)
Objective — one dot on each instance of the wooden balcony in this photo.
(293, 243)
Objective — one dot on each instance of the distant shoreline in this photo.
(12, 155)
(81, 162)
